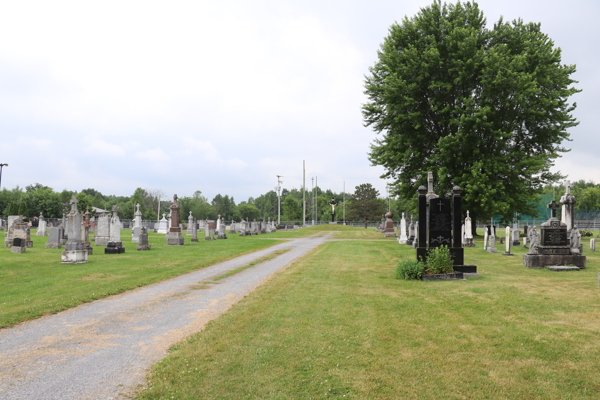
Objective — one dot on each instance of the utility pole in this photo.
(303, 193)
(278, 188)
(344, 200)
(316, 197)
(2, 165)
(312, 198)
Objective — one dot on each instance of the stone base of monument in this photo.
(18, 249)
(465, 269)
(174, 239)
(52, 246)
(114, 248)
(75, 253)
(222, 236)
(442, 277)
(559, 268)
(102, 240)
(141, 247)
(90, 250)
(389, 234)
(403, 241)
(546, 260)
(516, 243)
(507, 254)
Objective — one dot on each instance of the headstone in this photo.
(143, 240)
(411, 233)
(54, 238)
(75, 249)
(440, 225)
(194, 231)
(114, 245)
(516, 235)
(486, 234)
(18, 229)
(163, 225)
(221, 231)
(135, 234)
(218, 222)
(41, 229)
(462, 235)
(232, 227)
(491, 247)
(507, 242)
(389, 226)
(18, 245)
(469, 232)
(103, 230)
(137, 217)
(415, 242)
(554, 247)
(592, 244)
(242, 228)
(207, 232)
(403, 237)
(85, 235)
(174, 237)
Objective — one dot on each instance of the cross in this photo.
(553, 206)
(567, 185)
(440, 203)
(73, 203)
(467, 214)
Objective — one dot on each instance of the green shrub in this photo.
(586, 233)
(439, 261)
(409, 269)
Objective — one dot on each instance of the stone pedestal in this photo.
(74, 253)
(174, 238)
(143, 241)
(114, 248)
(18, 246)
(389, 226)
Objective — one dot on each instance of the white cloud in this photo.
(99, 146)
(156, 155)
(35, 142)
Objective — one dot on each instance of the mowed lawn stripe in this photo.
(336, 324)
(36, 283)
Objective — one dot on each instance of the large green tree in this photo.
(365, 205)
(484, 109)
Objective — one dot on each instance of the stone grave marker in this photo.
(403, 237)
(18, 245)
(194, 231)
(114, 245)
(103, 230)
(593, 244)
(75, 250)
(163, 225)
(174, 237)
(507, 242)
(54, 238)
(143, 240)
(41, 229)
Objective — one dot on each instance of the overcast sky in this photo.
(220, 96)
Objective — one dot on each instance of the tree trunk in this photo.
(365, 224)
(473, 216)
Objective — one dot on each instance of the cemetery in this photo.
(473, 275)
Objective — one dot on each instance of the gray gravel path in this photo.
(102, 349)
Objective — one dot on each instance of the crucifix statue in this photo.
(175, 198)
(333, 203)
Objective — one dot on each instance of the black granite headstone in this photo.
(440, 223)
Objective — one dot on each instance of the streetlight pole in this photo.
(2, 165)
(279, 182)
(312, 198)
(344, 200)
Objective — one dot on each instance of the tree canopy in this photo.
(484, 109)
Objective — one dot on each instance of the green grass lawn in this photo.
(36, 283)
(340, 232)
(337, 324)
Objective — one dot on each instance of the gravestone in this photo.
(440, 225)
(469, 232)
(516, 235)
(486, 234)
(232, 227)
(207, 232)
(221, 232)
(411, 233)
(114, 245)
(592, 244)
(85, 235)
(137, 223)
(491, 245)
(403, 236)
(18, 229)
(415, 242)
(554, 247)
(253, 228)
(243, 228)
(18, 245)
(170, 221)
(41, 229)
(507, 242)
(75, 250)
(194, 231)
(163, 225)
(174, 237)
(388, 230)
(135, 234)
(54, 238)
(218, 222)
(103, 230)
(143, 240)
(190, 224)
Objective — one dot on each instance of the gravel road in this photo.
(103, 349)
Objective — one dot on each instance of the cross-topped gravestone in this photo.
(430, 182)
(553, 206)
(567, 185)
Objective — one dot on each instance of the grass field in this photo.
(36, 283)
(337, 324)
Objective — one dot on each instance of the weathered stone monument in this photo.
(18, 245)
(75, 250)
(194, 231)
(516, 234)
(221, 231)
(114, 245)
(568, 207)
(85, 233)
(41, 229)
(553, 249)
(389, 225)
(174, 237)
(243, 228)
(507, 242)
(403, 237)
(18, 228)
(415, 242)
(190, 223)
(137, 223)
(592, 244)
(411, 232)
(440, 225)
(54, 238)
(143, 240)
(491, 237)
(163, 225)
(207, 235)
(103, 230)
(469, 232)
